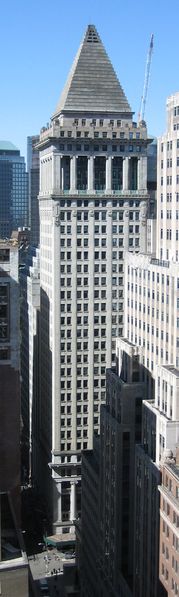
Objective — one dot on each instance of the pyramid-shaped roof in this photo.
(92, 84)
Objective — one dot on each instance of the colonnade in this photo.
(64, 173)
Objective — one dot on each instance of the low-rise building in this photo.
(14, 568)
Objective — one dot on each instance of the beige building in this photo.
(93, 207)
(152, 324)
(169, 525)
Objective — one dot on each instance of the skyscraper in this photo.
(13, 190)
(93, 207)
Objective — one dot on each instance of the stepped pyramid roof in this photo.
(92, 84)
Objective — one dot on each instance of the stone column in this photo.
(56, 335)
(109, 288)
(73, 501)
(91, 327)
(125, 174)
(62, 174)
(59, 502)
(142, 173)
(41, 175)
(73, 173)
(143, 227)
(91, 173)
(56, 172)
(126, 226)
(109, 173)
(74, 325)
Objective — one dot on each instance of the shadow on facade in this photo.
(9, 393)
(126, 558)
(41, 408)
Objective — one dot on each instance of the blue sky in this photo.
(39, 39)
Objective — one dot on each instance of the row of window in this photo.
(148, 329)
(98, 202)
(98, 134)
(169, 145)
(101, 230)
(146, 292)
(82, 396)
(79, 446)
(84, 256)
(104, 147)
(149, 275)
(99, 122)
(169, 234)
(83, 215)
(84, 321)
(82, 371)
(169, 197)
(169, 162)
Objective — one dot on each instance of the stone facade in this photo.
(93, 207)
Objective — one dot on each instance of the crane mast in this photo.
(146, 81)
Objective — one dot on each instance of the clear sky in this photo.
(39, 39)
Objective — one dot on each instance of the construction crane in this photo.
(141, 114)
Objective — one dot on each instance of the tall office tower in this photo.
(93, 207)
(13, 190)
(33, 173)
(9, 372)
(151, 324)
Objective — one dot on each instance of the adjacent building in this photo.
(27, 350)
(93, 207)
(13, 190)
(10, 372)
(120, 431)
(87, 527)
(169, 524)
(33, 174)
(151, 325)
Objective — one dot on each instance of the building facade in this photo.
(13, 190)
(10, 372)
(120, 431)
(33, 174)
(169, 524)
(151, 324)
(93, 207)
(87, 527)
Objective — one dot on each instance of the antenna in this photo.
(141, 114)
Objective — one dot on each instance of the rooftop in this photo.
(7, 146)
(172, 369)
(92, 84)
(12, 549)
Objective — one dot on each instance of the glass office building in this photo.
(13, 190)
